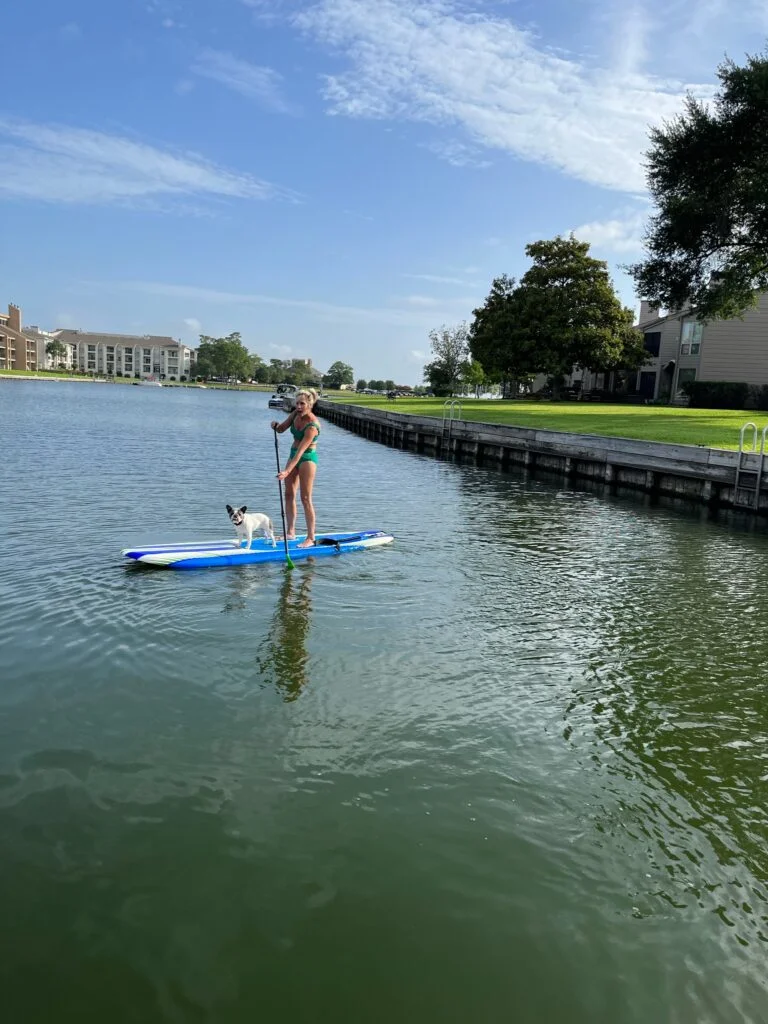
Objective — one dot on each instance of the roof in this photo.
(9, 332)
(96, 337)
(663, 319)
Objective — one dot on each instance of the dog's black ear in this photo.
(243, 508)
(230, 509)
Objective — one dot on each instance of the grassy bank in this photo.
(714, 428)
(56, 375)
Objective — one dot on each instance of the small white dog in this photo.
(247, 523)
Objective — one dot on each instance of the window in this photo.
(685, 376)
(691, 338)
(91, 349)
(653, 342)
(147, 353)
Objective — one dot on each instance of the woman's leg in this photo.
(291, 486)
(307, 480)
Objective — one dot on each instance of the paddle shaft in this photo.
(288, 561)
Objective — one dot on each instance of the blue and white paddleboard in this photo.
(203, 555)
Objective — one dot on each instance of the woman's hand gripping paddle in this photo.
(289, 564)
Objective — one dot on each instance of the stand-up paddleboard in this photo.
(203, 555)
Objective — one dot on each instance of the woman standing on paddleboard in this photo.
(301, 466)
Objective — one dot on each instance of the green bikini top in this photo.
(299, 434)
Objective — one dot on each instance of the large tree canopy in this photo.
(495, 338)
(707, 243)
(563, 314)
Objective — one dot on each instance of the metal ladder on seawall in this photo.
(754, 499)
(449, 415)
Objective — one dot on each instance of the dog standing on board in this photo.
(248, 523)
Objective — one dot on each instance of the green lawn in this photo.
(714, 428)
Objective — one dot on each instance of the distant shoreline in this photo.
(260, 388)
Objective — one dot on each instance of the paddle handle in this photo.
(288, 561)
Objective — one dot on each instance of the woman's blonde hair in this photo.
(309, 393)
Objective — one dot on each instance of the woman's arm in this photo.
(282, 427)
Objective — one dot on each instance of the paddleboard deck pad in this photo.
(206, 554)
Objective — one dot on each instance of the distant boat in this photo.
(149, 382)
(275, 402)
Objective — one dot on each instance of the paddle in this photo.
(289, 564)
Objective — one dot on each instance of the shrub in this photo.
(118, 373)
(171, 378)
(716, 394)
(182, 378)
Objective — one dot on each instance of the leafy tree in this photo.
(57, 350)
(260, 372)
(473, 376)
(361, 384)
(308, 375)
(376, 385)
(389, 385)
(496, 341)
(567, 314)
(223, 357)
(450, 350)
(204, 365)
(339, 373)
(707, 242)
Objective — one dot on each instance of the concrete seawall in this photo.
(706, 476)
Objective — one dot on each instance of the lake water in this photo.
(512, 768)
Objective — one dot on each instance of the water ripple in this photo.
(528, 741)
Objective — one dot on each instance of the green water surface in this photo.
(510, 769)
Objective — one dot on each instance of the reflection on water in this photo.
(283, 658)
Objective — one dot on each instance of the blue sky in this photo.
(330, 178)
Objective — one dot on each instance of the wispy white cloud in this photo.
(282, 350)
(620, 234)
(250, 80)
(58, 163)
(183, 86)
(417, 356)
(330, 312)
(425, 301)
(430, 61)
(193, 324)
(458, 154)
(268, 11)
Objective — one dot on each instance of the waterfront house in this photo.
(128, 355)
(681, 348)
(17, 351)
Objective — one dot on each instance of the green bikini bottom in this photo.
(308, 456)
